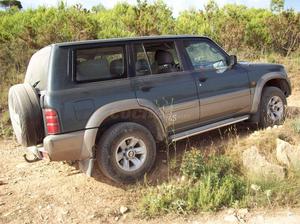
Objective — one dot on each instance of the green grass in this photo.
(5, 126)
(296, 125)
(193, 164)
(212, 181)
(208, 185)
(275, 193)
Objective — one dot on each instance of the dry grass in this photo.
(265, 139)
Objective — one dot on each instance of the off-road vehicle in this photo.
(112, 101)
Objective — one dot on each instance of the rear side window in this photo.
(102, 63)
(37, 70)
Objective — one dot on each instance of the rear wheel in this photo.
(125, 152)
(273, 107)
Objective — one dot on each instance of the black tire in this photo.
(265, 119)
(107, 150)
(25, 114)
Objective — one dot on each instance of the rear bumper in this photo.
(65, 146)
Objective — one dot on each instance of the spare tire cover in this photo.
(26, 114)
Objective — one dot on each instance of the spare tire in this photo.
(26, 114)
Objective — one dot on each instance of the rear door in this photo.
(160, 79)
(223, 91)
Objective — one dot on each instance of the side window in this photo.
(156, 58)
(102, 63)
(205, 56)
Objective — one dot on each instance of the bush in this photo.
(220, 165)
(211, 184)
(192, 165)
(214, 192)
(165, 198)
(296, 125)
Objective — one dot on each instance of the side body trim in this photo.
(209, 127)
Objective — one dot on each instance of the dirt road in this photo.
(56, 192)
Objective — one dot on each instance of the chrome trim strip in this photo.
(209, 127)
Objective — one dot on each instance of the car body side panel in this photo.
(259, 75)
(86, 98)
(223, 94)
(174, 94)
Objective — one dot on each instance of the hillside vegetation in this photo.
(214, 177)
(256, 34)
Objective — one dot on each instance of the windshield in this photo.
(37, 70)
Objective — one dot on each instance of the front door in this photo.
(161, 80)
(223, 90)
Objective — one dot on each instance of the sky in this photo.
(175, 5)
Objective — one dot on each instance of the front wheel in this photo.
(273, 107)
(125, 152)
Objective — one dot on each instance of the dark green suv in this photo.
(113, 100)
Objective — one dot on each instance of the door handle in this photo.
(202, 79)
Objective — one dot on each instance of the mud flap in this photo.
(87, 166)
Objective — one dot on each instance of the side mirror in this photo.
(232, 60)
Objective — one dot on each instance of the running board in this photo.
(209, 127)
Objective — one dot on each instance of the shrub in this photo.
(165, 198)
(192, 165)
(214, 192)
(212, 184)
(220, 165)
(296, 125)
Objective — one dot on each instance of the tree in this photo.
(211, 7)
(98, 8)
(10, 4)
(153, 19)
(277, 5)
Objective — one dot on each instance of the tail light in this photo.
(52, 122)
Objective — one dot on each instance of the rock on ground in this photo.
(288, 154)
(258, 167)
(123, 210)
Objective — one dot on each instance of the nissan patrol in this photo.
(111, 101)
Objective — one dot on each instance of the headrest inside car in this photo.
(117, 68)
(141, 64)
(163, 57)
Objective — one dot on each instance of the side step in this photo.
(209, 127)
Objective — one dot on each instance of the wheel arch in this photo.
(276, 79)
(119, 111)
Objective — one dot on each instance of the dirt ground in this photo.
(55, 192)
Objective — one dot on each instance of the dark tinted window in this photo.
(102, 63)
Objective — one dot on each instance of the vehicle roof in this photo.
(124, 39)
